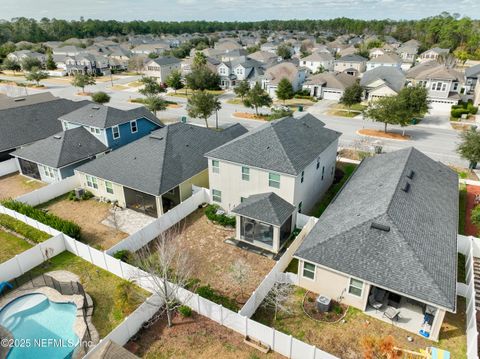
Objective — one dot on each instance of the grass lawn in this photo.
(344, 113)
(14, 185)
(355, 107)
(11, 245)
(99, 284)
(347, 169)
(235, 101)
(23, 229)
(185, 94)
(343, 339)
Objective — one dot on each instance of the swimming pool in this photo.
(40, 328)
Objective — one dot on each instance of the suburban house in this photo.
(289, 162)
(156, 173)
(23, 125)
(161, 67)
(19, 101)
(318, 61)
(265, 57)
(443, 83)
(433, 54)
(231, 72)
(382, 81)
(111, 126)
(54, 158)
(351, 64)
(68, 50)
(389, 247)
(284, 70)
(147, 49)
(329, 85)
(21, 55)
(389, 59)
(87, 63)
(408, 51)
(472, 75)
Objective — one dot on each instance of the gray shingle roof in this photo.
(19, 101)
(352, 58)
(26, 124)
(473, 71)
(393, 76)
(166, 60)
(63, 148)
(418, 255)
(167, 157)
(104, 116)
(286, 145)
(265, 207)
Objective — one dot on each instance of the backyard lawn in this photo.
(11, 245)
(88, 214)
(14, 185)
(99, 284)
(343, 339)
(194, 337)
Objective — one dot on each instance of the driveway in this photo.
(436, 120)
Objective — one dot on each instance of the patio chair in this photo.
(377, 298)
(392, 313)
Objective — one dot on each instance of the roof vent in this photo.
(380, 226)
(57, 137)
(405, 187)
(19, 99)
(410, 174)
(96, 108)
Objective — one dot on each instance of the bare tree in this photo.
(166, 267)
(240, 273)
(279, 299)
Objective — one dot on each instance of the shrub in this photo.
(23, 229)
(209, 293)
(86, 196)
(222, 219)
(475, 216)
(185, 311)
(124, 255)
(68, 227)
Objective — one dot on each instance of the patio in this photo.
(127, 220)
(15, 185)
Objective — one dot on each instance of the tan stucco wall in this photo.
(101, 191)
(200, 180)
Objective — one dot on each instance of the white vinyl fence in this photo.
(276, 274)
(167, 220)
(49, 192)
(8, 166)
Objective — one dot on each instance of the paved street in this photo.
(433, 136)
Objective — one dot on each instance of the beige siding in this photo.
(101, 192)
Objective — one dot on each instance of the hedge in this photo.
(209, 293)
(23, 229)
(463, 108)
(222, 219)
(68, 227)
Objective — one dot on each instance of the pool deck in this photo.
(81, 322)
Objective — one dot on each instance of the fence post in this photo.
(121, 268)
(314, 351)
(246, 326)
(291, 345)
(105, 260)
(198, 303)
(90, 254)
(221, 314)
(76, 248)
(19, 265)
(273, 339)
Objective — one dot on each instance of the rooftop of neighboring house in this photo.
(26, 124)
(67, 49)
(263, 56)
(399, 233)
(286, 145)
(339, 80)
(352, 58)
(19, 101)
(283, 70)
(388, 58)
(437, 50)
(101, 116)
(435, 71)
(63, 148)
(165, 158)
(473, 71)
(166, 60)
(318, 57)
(227, 45)
(393, 77)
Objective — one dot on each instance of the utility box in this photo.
(323, 303)
(79, 192)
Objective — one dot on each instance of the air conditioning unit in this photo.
(79, 192)
(323, 303)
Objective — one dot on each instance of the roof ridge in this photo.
(410, 151)
(281, 144)
(167, 131)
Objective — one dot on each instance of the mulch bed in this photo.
(470, 228)
(249, 116)
(382, 134)
(336, 313)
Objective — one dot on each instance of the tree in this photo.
(155, 103)
(151, 87)
(30, 63)
(352, 95)
(36, 75)
(100, 97)
(469, 148)
(284, 51)
(199, 59)
(279, 113)
(388, 110)
(285, 90)
(202, 78)
(202, 105)
(11, 65)
(257, 97)
(278, 299)
(166, 267)
(174, 80)
(135, 64)
(240, 273)
(242, 89)
(475, 215)
(82, 80)
(414, 100)
(50, 64)
(153, 55)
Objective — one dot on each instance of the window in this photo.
(455, 86)
(303, 175)
(49, 172)
(323, 172)
(318, 163)
(216, 195)
(274, 180)
(133, 126)
(308, 270)
(215, 166)
(115, 132)
(92, 182)
(95, 130)
(300, 207)
(356, 287)
(242, 199)
(245, 173)
(109, 187)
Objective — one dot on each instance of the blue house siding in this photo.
(68, 170)
(144, 127)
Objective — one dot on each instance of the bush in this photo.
(222, 219)
(463, 108)
(86, 196)
(68, 227)
(208, 293)
(124, 255)
(23, 229)
(185, 311)
(475, 216)
(305, 97)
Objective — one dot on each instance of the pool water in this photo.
(40, 328)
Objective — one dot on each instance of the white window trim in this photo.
(246, 174)
(113, 132)
(350, 285)
(218, 196)
(269, 180)
(314, 271)
(133, 123)
(111, 187)
(215, 168)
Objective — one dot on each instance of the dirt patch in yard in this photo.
(15, 185)
(250, 116)
(382, 134)
(213, 258)
(89, 216)
(194, 337)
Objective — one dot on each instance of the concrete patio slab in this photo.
(127, 220)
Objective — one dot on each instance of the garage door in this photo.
(332, 95)
(438, 106)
